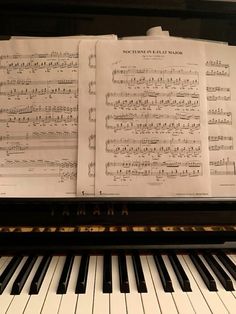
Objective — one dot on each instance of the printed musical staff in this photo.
(155, 147)
(217, 63)
(39, 108)
(40, 88)
(33, 63)
(217, 143)
(130, 123)
(223, 166)
(157, 169)
(61, 170)
(174, 76)
(217, 68)
(148, 100)
(41, 120)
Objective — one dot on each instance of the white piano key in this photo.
(85, 301)
(211, 297)
(226, 296)
(233, 257)
(6, 298)
(199, 303)
(133, 299)
(181, 298)
(101, 300)
(19, 302)
(165, 299)
(4, 260)
(150, 301)
(117, 299)
(52, 300)
(36, 301)
(69, 300)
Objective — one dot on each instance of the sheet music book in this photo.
(146, 117)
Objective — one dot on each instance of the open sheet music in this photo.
(142, 117)
(221, 98)
(151, 127)
(38, 117)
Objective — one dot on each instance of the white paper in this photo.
(221, 102)
(38, 117)
(156, 30)
(151, 126)
(221, 95)
(87, 118)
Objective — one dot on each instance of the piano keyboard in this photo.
(116, 284)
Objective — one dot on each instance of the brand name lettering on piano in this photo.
(97, 211)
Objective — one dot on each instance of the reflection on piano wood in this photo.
(117, 228)
(158, 282)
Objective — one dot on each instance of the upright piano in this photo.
(118, 255)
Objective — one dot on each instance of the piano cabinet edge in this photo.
(75, 243)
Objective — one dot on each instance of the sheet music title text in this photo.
(163, 52)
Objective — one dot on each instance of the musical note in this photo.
(92, 114)
(92, 141)
(92, 61)
(91, 169)
(91, 88)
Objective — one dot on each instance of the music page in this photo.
(38, 117)
(221, 97)
(151, 121)
(87, 117)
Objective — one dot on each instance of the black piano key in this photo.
(65, 275)
(140, 280)
(203, 271)
(39, 275)
(83, 274)
(8, 272)
(219, 271)
(123, 274)
(164, 275)
(180, 273)
(228, 263)
(107, 273)
(23, 275)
